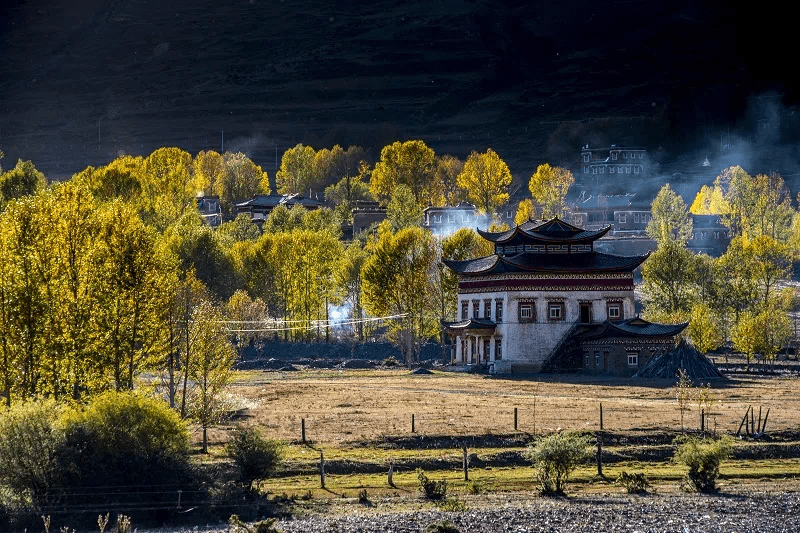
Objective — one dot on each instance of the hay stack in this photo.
(685, 356)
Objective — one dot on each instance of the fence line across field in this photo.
(307, 426)
(312, 324)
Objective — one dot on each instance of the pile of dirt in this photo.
(685, 356)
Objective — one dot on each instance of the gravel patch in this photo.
(768, 513)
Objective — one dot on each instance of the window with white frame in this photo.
(633, 358)
(585, 158)
(527, 312)
(588, 359)
(610, 170)
(622, 218)
(636, 218)
(555, 310)
(614, 310)
(597, 359)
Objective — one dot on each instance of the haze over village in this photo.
(443, 266)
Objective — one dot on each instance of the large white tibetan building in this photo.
(545, 291)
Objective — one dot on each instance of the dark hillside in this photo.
(83, 82)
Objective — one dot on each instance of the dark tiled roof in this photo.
(262, 200)
(633, 327)
(554, 230)
(472, 266)
(530, 262)
(572, 262)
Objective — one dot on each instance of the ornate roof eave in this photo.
(528, 230)
(483, 265)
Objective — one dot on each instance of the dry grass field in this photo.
(349, 406)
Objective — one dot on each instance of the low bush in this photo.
(636, 483)
(31, 449)
(433, 490)
(255, 456)
(452, 505)
(476, 487)
(703, 457)
(237, 525)
(556, 456)
(134, 447)
(445, 526)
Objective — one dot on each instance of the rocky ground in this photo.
(688, 513)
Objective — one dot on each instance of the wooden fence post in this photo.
(391, 473)
(599, 454)
(321, 469)
(303, 430)
(601, 416)
(466, 464)
(515, 419)
(413, 429)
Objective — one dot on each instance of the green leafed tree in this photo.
(122, 178)
(525, 211)
(670, 218)
(485, 178)
(395, 281)
(212, 369)
(549, 187)
(669, 282)
(208, 168)
(166, 186)
(403, 211)
(348, 190)
(409, 163)
(22, 180)
(705, 328)
(296, 174)
(240, 180)
(448, 168)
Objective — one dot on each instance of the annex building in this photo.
(547, 300)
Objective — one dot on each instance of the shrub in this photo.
(445, 526)
(556, 456)
(636, 483)
(363, 497)
(129, 443)
(476, 487)
(433, 490)
(703, 457)
(31, 446)
(453, 505)
(237, 525)
(255, 456)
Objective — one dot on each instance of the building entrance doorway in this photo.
(586, 313)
